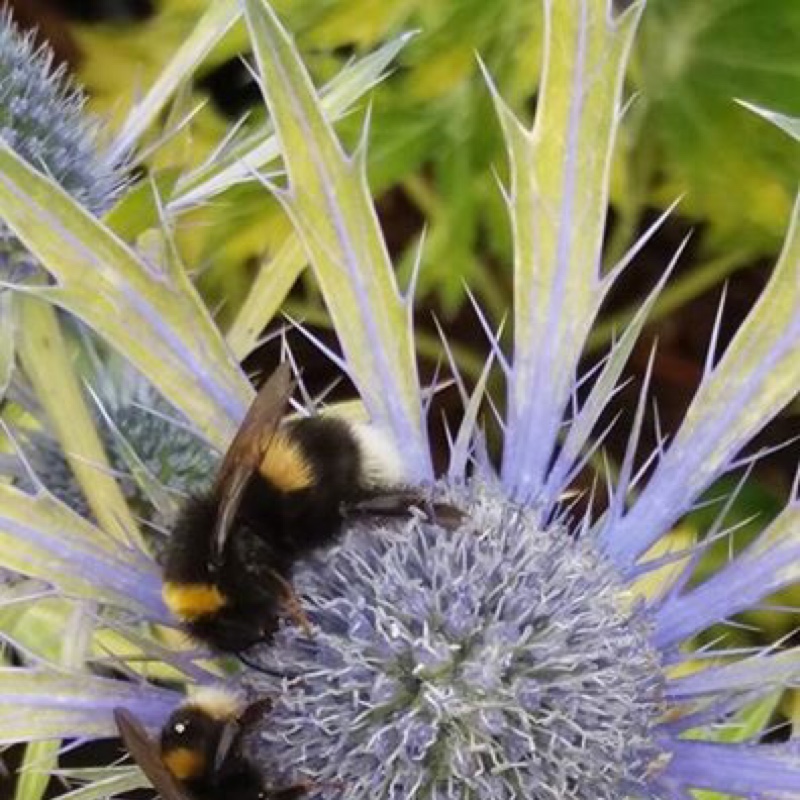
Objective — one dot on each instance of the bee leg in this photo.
(254, 712)
(289, 792)
(446, 515)
(250, 664)
(292, 604)
(389, 504)
(401, 503)
(299, 789)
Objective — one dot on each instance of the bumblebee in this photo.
(283, 490)
(199, 754)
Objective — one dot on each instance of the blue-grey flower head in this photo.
(43, 119)
(159, 436)
(482, 662)
(135, 423)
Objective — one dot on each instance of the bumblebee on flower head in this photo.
(283, 490)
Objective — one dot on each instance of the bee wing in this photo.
(144, 751)
(247, 451)
(228, 740)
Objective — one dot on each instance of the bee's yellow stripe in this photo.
(285, 466)
(191, 600)
(184, 763)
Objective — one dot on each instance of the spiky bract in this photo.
(43, 119)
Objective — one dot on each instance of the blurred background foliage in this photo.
(436, 152)
(434, 144)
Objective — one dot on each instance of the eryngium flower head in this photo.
(517, 656)
(498, 660)
(136, 424)
(43, 119)
(138, 417)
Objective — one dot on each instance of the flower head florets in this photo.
(478, 662)
(43, 119)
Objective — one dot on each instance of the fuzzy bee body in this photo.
(283, 490)
(199, 754)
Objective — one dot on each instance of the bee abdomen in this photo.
(381, 465)
(329, 454)
(342, 457)
(324, 464)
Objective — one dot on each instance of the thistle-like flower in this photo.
(531, 652)
(42, 119)
(502, 659)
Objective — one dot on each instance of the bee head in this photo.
(194, 733)
(189, 742)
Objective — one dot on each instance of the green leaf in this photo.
(48, 365)
(694, 59)
(584, 421)
(33, 774)
(330, 205)
(765, 350)
(38, 625)
(149, 313)
(7, 340)
(757, 377)
(111, 782)
(274, 281)
(241, 162)
(44, 539)
(36, 622)
(752, 721)
(41, 758)
(36, 705)
(137, 210)
(277, 275)
(211, 27)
